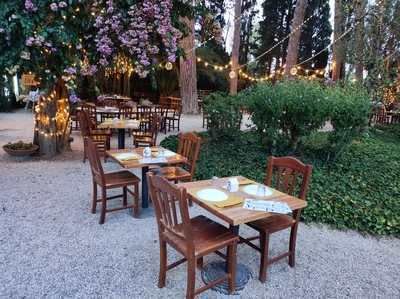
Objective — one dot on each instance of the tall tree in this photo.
(315, 35)
(187, 67)
(359, 6)
(294, 40)
(235, 49)
(275, 26)
(249, 12)
(338, 48)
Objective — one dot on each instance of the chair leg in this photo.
(232, 268)
(94, 201)
(199, 263)
(163, 264)
(124, 196)
(292, 245)
(103, 206)
(191, 277)
(84, 153)
(264, 244)
(136, 200)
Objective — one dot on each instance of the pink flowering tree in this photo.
(58, 40)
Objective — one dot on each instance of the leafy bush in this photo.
(287, 111)
(349, 109)
(224, 114)
(360, 190)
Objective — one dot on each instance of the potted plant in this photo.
(20, 148)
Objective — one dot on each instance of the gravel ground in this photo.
(51, 246)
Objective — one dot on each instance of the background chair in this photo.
(145, 137)
(193, 238)
(100, 137)
(189, 147)
(289, 175)
(120, 179)
(173, 119)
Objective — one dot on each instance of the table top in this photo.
(157, 157)
(120, 124)
(236, 215)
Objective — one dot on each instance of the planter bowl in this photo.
(20, 152)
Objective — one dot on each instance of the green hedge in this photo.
(224, 114)
(360, 190)
(285, 115)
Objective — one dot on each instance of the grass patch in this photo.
(360, 190)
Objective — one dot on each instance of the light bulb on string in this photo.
(168, 66)
(232, 74)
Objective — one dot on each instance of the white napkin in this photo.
(267, 206)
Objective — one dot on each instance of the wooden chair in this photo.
(291, 177)
(126, 112)
(173, 121)
(192, 237)
(100, 137)
(120, 179)
(148, 137)
(91, 111)
(189, 147)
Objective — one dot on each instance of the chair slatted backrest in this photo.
(90, 109)
(155, 125)
(289, 175)
(83, 119)
(126, 112)
(189, 147)
(94, 160)
(171, 207)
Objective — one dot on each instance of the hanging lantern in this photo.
(168, 66)
(232, 74)
(293, 71)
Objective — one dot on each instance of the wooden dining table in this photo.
(121, 126)
(159, 156)
(234, 216)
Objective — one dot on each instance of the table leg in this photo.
(145, 192)
(121, 138)
(215, 270)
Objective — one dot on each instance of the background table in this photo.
(121, 126)
(144, 164)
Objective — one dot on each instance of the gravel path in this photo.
(51, 246)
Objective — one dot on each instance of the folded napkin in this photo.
(127, 156)
(231, 201)
(245, 182)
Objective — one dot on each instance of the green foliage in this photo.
(224, 114)
(349, 109)
(360, 190)
(19, 145)
(287, 111)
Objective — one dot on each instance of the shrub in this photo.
(349, 109)
(224, 114)
(287, 111)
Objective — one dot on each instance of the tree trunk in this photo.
(187, 74)
(52, 121)
(233, 82)
(359, 11)
(294, 40)
(338, 51)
